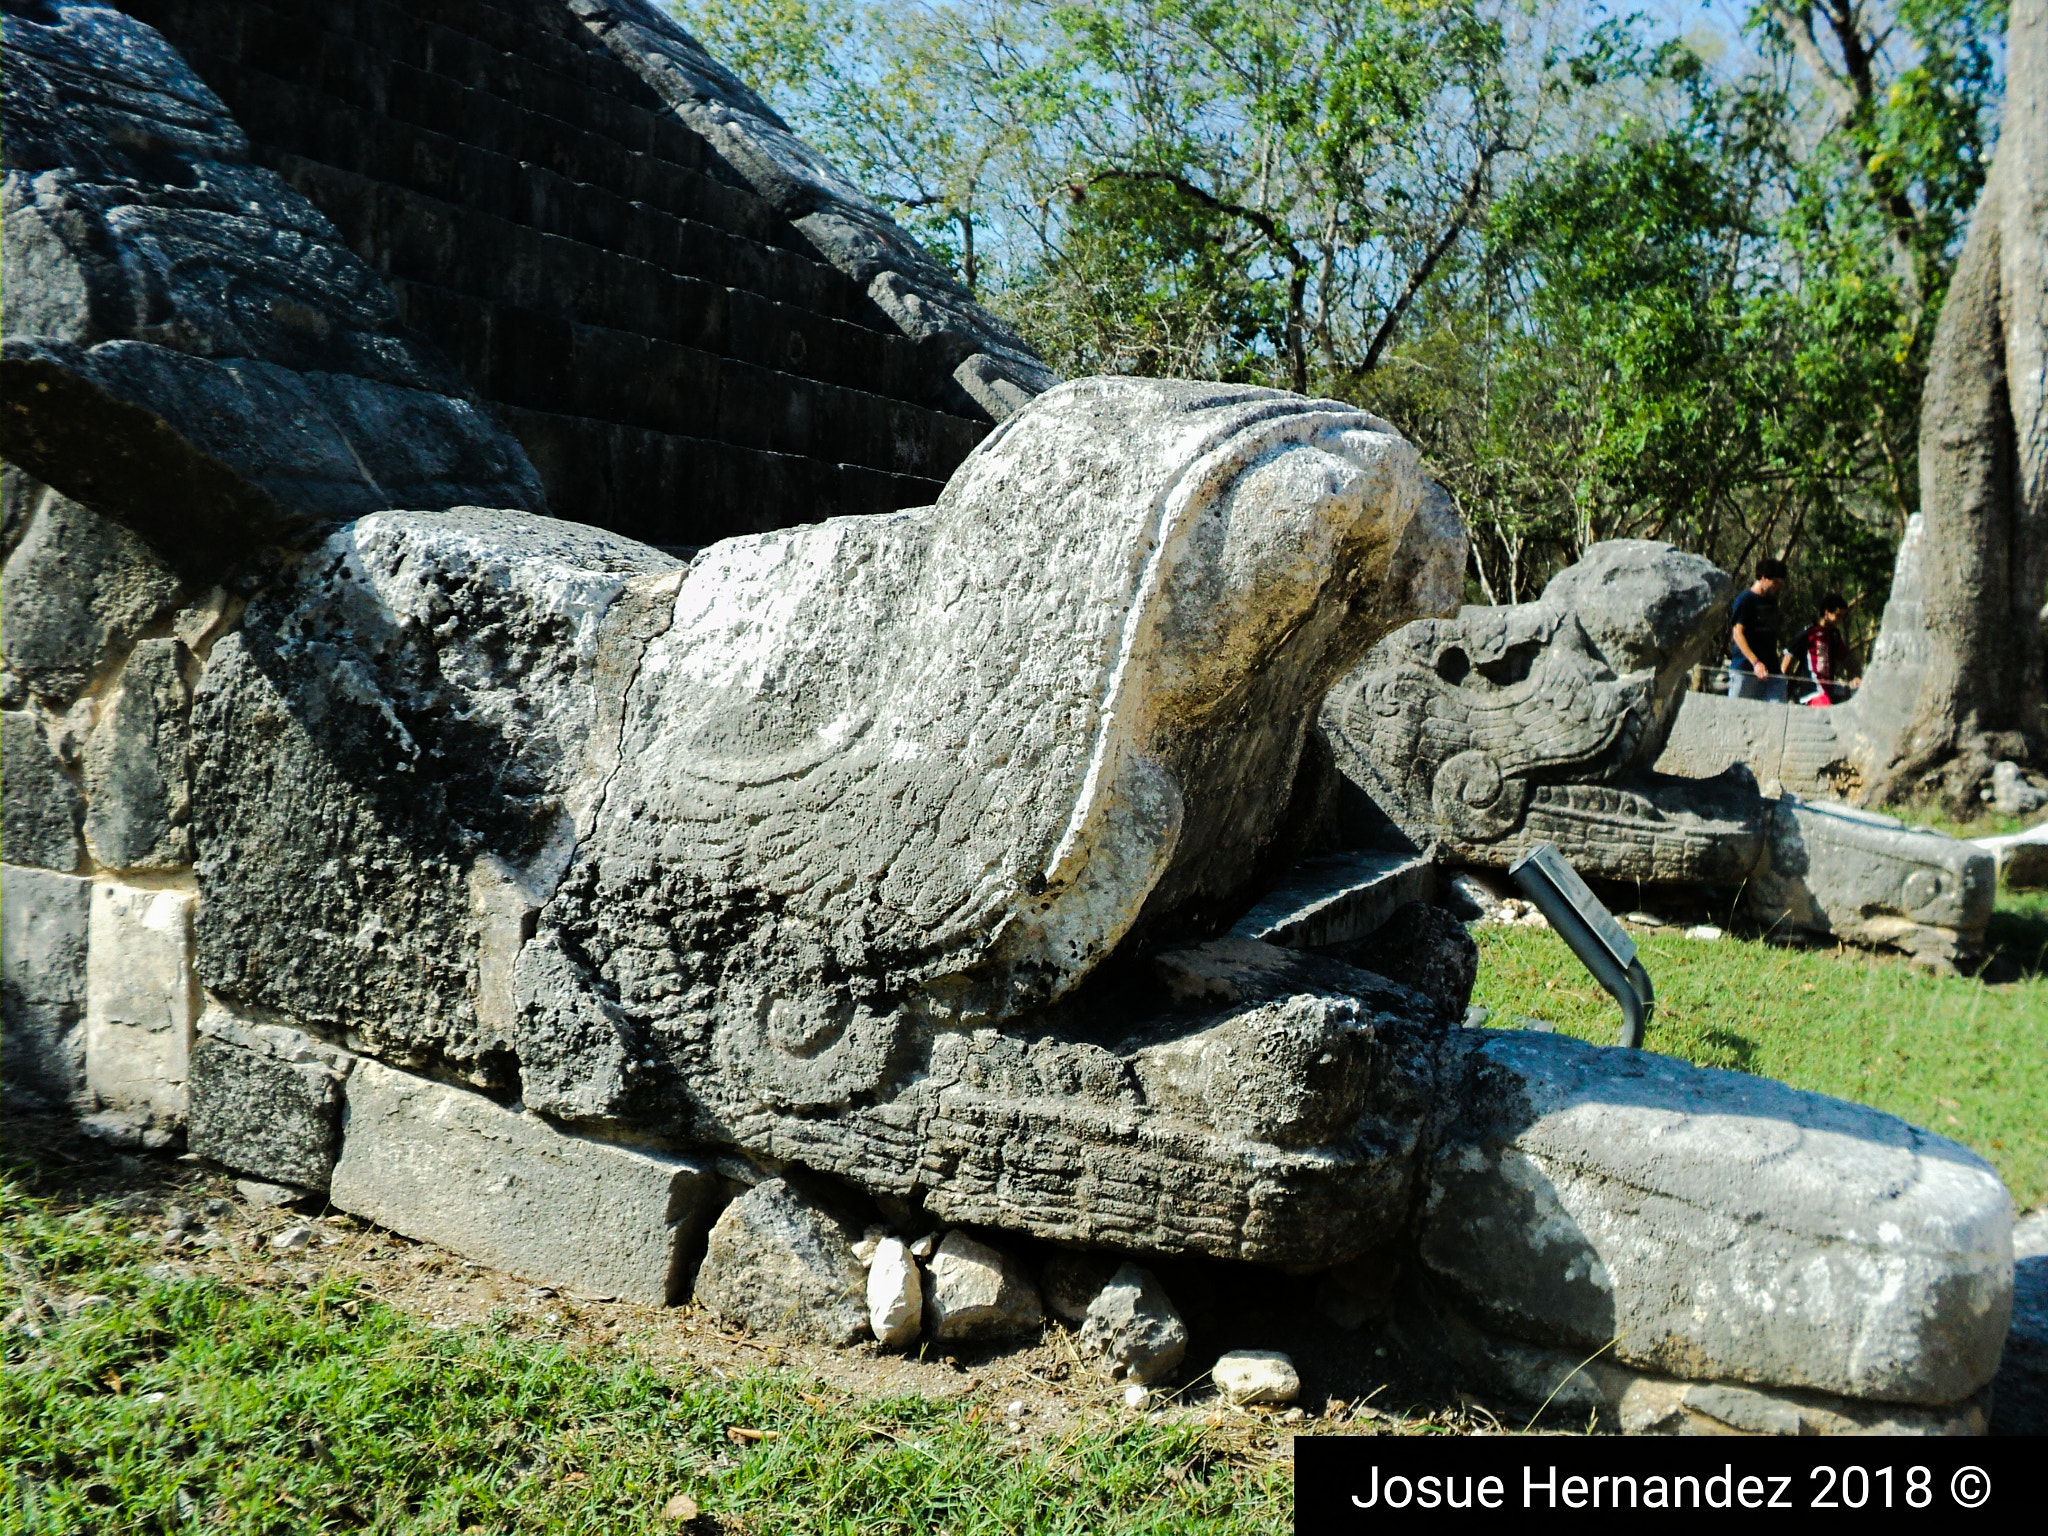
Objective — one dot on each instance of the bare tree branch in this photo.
(1276, 237)
(1853, 91)
(1439, 248)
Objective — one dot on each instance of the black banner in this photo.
(1356, 1483)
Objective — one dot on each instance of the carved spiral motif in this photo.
(806, 1050)
(1473, 798)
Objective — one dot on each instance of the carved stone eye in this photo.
(1923, 888)
(1452, 664)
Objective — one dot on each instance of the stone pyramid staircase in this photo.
(678, 363)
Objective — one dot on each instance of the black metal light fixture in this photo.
(1602, 945)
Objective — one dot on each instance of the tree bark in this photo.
(1956, 677)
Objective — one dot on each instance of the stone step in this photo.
(418, 239)
(477, 180)
(520, 357)
(354, 45)
(1339, 897)
(283, 98)
(680, 492)
(678, 361)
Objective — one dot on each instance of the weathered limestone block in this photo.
(1871, 879)
(1423, 947)
(1505, 727)
(387, 758)
(1060, 1136)
(78, 590)
(141, 999)
(137, 776)
(978, 1292)
(779, 1261)
(1715, 1226)
(1294, 1072)
(1334, 898)
(1791, 750)
(266, 1099)
(191, 348)
(43, 809)
(44, 921)
(1572, 1389)
(448, 1166)
(1133, 1327)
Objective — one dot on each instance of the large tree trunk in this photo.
(1956, 679)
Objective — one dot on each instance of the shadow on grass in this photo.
(1725, 1048)
(2016, 941)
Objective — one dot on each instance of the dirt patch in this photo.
(1038, 1391)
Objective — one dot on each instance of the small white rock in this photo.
(864, 1250)
(1706, 931)
(895, 1294)
(1247, 1376)
(265, 1196)
(1136, 1396)
(1018, 1409)
(292, 1239)
(1642, 920)
(925, 1246)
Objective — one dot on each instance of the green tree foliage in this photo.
(1614, 281)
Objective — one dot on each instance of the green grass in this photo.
(1954, 1054)
(182, 1404)
(1985, 823)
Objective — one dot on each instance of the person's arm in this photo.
(1742, 644)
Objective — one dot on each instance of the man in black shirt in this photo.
(1754, 660)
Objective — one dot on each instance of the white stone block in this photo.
(141, 998)
(507, 1188)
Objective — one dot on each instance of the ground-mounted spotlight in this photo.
(1602, 944)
